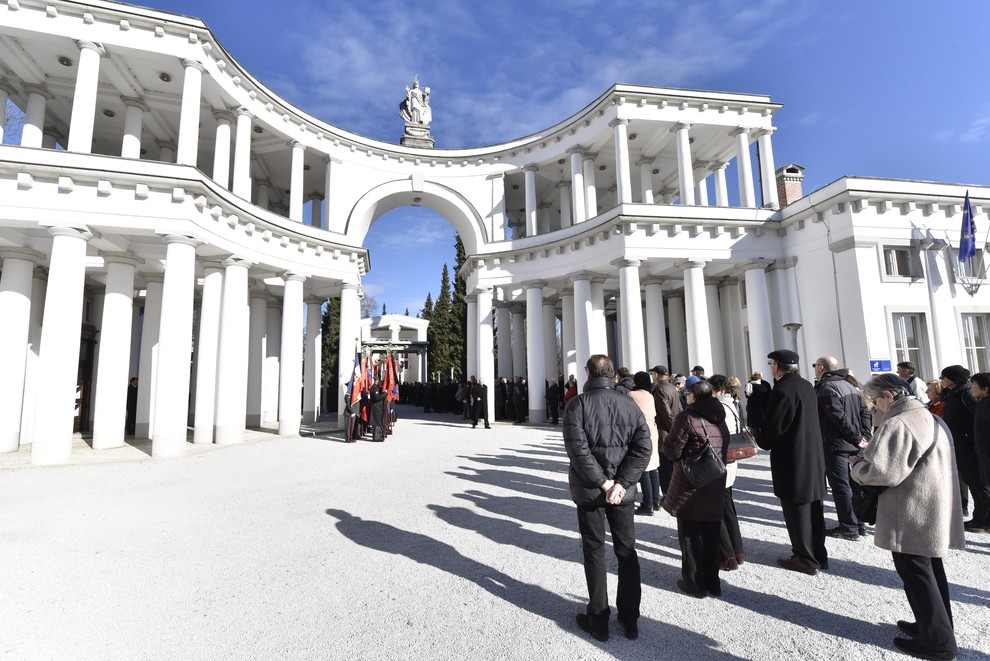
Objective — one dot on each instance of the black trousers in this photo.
(591, 523)
(730, 538)
(806, 528)
(927, 592)
(968, 464)
(699, 553)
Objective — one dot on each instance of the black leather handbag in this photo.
(705, 467)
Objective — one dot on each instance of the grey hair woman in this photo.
(919, 515)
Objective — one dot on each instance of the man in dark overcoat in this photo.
(479, 403)
(553, 401)
(792, 433)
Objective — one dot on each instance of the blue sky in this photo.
(885, 88)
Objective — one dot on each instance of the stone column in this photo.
(719, 364)
(130, 145)
(241, 185)
(579, 207)
(232, 354)
(257, 353)
(696, 314)
(550, 339)
(207, 340)
(51, 137)
(273, 349)
(568, 350)
(58, 361)
(296, 181)
(701, 196)
(504, 326)
(264, 187)
(590, 190)
(582, 324)
(679, 360)
(174, 348)
(685, 172)
(290, 374)
(518, 342)
(110, 403)
(221, 152)
(768, 177)
(535, 367)
(5, 93)
(486, 353)
(667, 194)
(84, 98)
(192, 93)
(350, 320)
(148, 365)
(531, 219)
(596, 325)
(471, 303)
(543, 218)
(747, 198)
(32, 133)
(758, 311)
(623, 180)
(315, 209)
(721, 190)
(565, 204)
(631, 316)
(313, 359)
(166, 151)
(656, 327)
(645, 180)
(732, 327)
(327, 194)
(39, 285)
(15, 301)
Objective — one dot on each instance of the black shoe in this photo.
(656, 505)
(691, 589)
(974, 526)
(838, 532)
(643, 511)
(631, 629)
(795, 563)
(584, 621)
(916, 649)
(862, 530)
(910, 628)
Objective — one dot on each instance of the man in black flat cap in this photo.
(797, 462)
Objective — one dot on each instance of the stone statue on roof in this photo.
(416, 112)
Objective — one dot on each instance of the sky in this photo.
(888, 88)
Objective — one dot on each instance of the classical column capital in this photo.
(781, 264)
(315, 300)
(120, 258)
(91, 45)
(134, 102)
(296, 144)
(192, 64)
(739, 131)
(624, 263)
(692, 264)
(759, 133)
(590, 155)
(77, 232)
(6, 88)
(25, 254)
(644, 161)
(154, 277)
(531, 167)
(680, 126)
(584, 275)
(534, 284)
(315, 195)
(236, 260)
(223, 116)
(165, 144)
(715, 166)
(576, 149)
(563, 184)
(618, 120)
(728, 282)
(182, 239)
(652, 280)
(244, 112)
(351, 286)
(39, 90)
(471, 298)
(211, 265)
(292, 276)
(566, 291)
(760, 264)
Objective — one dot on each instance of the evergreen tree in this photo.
(427, 311)
(383, 309)
(441, 338)
(407, 312)
(330, 326)
(458, 311)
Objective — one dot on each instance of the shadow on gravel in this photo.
(528, 484)
(532, 598)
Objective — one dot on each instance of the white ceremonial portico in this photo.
(164, 215)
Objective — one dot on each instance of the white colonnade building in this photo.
(164, 214)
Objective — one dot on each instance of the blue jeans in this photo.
(837, 472)
(649, 484)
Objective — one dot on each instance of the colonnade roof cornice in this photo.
(123, 186)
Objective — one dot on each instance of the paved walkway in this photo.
(442, 543)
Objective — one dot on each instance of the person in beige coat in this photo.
(644, 400)
(919, 514)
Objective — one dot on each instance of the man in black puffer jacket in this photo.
(608, 444)
(959, 413)
(845, 424)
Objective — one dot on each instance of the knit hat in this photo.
(691, 380)
(642, 381)
(956, 373)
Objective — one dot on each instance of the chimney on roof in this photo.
(789, 187)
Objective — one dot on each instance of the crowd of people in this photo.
(920, 448)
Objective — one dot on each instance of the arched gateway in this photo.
(644, 222)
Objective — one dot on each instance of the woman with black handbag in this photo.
(730, 537)
(696, 443)
(919, 513)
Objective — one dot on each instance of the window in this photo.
(909, 340)
(901, 262)
(975, 337)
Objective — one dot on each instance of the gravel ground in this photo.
(445, 542)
